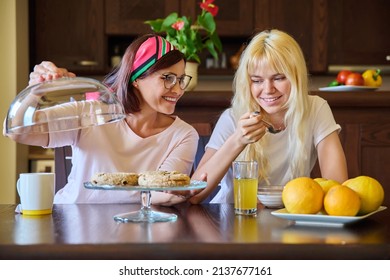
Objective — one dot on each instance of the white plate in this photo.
(321, 219)
(348, 88)
(193, 186)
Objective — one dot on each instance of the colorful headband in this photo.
(148, 54)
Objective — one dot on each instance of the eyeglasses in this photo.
(170, 81)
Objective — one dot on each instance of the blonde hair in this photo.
(281, 52)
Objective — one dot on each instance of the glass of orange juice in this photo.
(245, 181)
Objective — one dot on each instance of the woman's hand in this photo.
(47, 71)
(250, 128)
(188, 194)
(197, 196)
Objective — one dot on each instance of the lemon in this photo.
(370, 191)
(341, 201)
(326, 184)
(303, 195)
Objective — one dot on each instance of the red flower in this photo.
(208, 6)
(178, 25)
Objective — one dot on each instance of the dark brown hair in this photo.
(118, 79)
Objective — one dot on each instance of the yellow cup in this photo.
(245, 182)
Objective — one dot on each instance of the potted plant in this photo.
(191, 38)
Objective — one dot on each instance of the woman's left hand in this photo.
(47, 71)
(190, 193)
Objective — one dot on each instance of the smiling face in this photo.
(270, 89)
(154, 94)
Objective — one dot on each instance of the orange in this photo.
(326, 184)
(303, 195)
(370, 191)
(341, 201)
(318, 180)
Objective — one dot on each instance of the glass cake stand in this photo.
(146, 214)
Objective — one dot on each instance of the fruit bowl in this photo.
(271, 196)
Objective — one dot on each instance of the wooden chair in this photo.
(63, 165)
(204, 130)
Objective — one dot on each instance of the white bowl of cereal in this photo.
(270, 196)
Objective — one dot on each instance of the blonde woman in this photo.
(272, 80)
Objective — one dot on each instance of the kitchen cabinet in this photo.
(235, 18)
(365, 137)
(124, 20)
(124, 17)
(81, 35)
(359, 32)
(332, 34)
(69, 33)
(305, 20)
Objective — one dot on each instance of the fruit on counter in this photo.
(369, 78)
(334, 83)
(342, 76)
(354, 79)
(341, 200)
(326, 184)
(372, 78)
(370, 191)
(303, 195)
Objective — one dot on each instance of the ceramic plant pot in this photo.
(192, 70)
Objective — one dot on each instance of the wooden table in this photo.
(209, 231)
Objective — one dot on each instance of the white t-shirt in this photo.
(321, 124)
(115, 147)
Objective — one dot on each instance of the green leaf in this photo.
(193, 38)
(207, 21)
(155, 24)
(210, 47)
(216, 41)
(168, 21)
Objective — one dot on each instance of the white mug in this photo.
(36, 191)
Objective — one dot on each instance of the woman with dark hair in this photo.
(149, 82)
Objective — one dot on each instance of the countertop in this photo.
(224, 83)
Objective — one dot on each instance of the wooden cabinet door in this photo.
(69, 33)
(359, 32)
(235, 17)
(124, 17)
(305, 20)
(365, 134)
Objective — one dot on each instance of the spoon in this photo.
(269, 126)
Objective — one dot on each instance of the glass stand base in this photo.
(145, 216)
